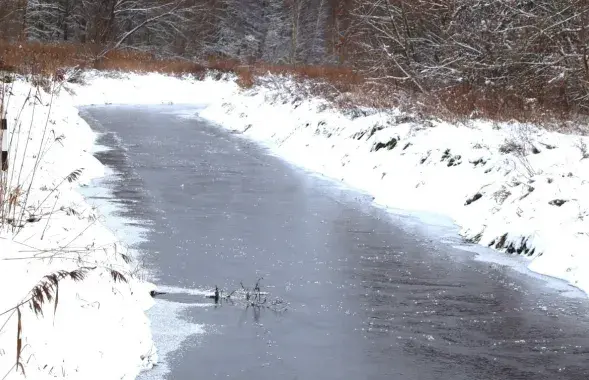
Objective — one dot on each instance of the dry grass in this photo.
(460, 103)
(345, 86)
(47, 59)
(341, 79)
(37, 58)
(503, 104)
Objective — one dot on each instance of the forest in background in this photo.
(497, 58)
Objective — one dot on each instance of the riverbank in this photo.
(74, 300)
(516, 188)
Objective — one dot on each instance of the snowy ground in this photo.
(514, 187)
(90, 320)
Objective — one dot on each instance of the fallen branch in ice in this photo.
(249, 297)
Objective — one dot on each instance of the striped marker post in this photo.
(4, 138)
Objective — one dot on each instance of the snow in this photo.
(94, 328)
(501, 183)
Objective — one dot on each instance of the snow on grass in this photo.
(119, 88)
(85, 328)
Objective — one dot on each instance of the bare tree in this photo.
(499, 49)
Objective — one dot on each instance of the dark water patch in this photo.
(369, 299)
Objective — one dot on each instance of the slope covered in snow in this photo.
(511, 186)
(80, 308)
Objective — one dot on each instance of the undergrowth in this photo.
(342, 85)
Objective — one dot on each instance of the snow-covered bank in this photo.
(90, 321)
(514, 187)
(517, 188)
